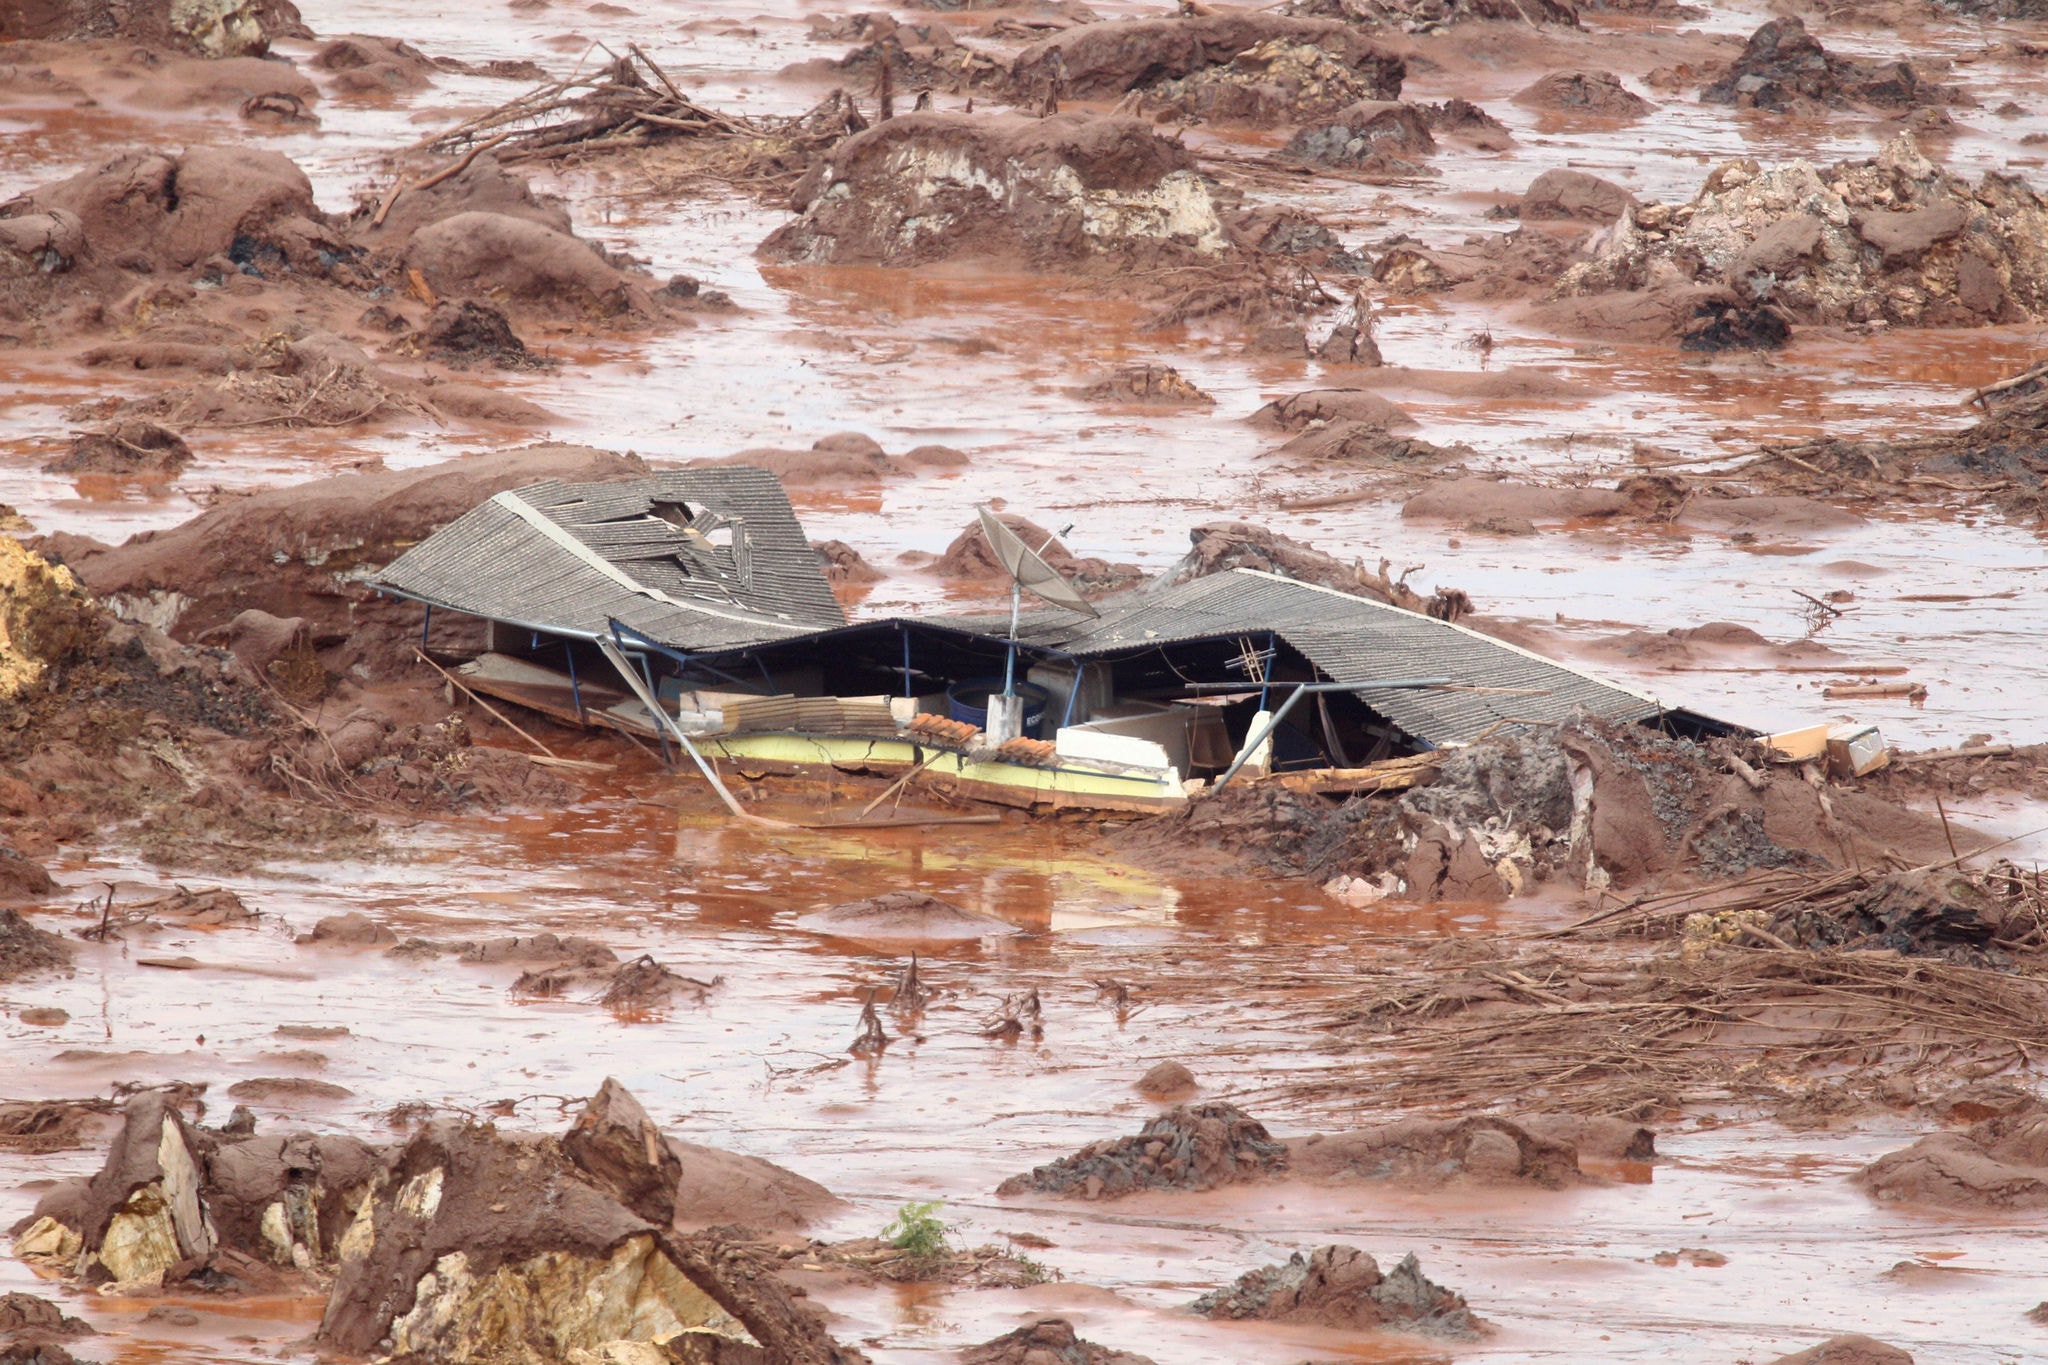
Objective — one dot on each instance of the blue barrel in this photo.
(968, 700)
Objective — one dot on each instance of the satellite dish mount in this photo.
(1028, 573)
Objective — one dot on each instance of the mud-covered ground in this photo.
(1652, 329)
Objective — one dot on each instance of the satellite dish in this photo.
(1028, 567)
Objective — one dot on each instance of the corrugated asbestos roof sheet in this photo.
(1354, 639)
(766, 584)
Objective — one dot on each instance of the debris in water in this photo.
(1342, 1287)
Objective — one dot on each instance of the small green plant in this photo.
(917, 1231)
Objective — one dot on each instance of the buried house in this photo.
(689, 608)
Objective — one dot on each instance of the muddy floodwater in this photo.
(1220, 971)
(1236, 974)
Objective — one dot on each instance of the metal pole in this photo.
(575, 689)
(906, 659)
(425, 622)
(1010, 660)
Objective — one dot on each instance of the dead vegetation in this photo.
(627, 104)
(1791, 1031)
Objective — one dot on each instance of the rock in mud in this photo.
(465, 331)
(1375, 137)
(45, 620)
(617, 1145)
(1574, 194)
(1240, 66)
(1609, 1139)
(969, 557)
(1785, 69)
(1072, 191)
(1343, 1288)
(1153, 385)
(1433, 1151)
(625, 987)
(484, 186)
(204, 28)
(844, 564)
(1599, 94)
(134, 449)
(176, 1203)
(1048, 1341)
(478, 1245)
(1998, 1163)
(34, 1331)
(1192, 1147)
(1167, 1081)
(1852, 1349)
(906, 915)
(25, 949)
(1299, 411)
(1281, 80)
(1895, 239)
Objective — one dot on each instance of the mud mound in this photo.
(1056, 192)
(1048, 1341)
(1153, 385)
(204, 28)
(1342, 1287)
(1895, 239)
(25, 949)
(292, 551)
(1999, 1163)
(1496, 265)
(1104, 61)
(842, 458)
(843, 564)
(1167, 1081)
(1299, 411)
(1943, 914)
(1261, 826)
(134, 449)
(1574, 194)
(33, 1331)
(171, 212)
(1281, 80)
(1426, 1152)
(1606, 1138)
(721, 1189)
(1785, 69)
(1368, 444)
(1224, 546)
(475, 252)
(365, 65)
(969, 558)
(905, 915)
(1377, 137)
(467, 331)
(484, 186)
(1191, 1147)
(516, 1247)
(1853, 1349)
(631, 987)
(1599, 94)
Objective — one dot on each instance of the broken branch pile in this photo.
(631, 103)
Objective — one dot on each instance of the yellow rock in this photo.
(541, 1310)
(43, 616)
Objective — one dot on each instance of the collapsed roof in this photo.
(1356, 640)
(701, 560)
